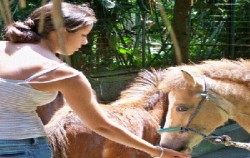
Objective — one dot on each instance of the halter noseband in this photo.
(205, 96)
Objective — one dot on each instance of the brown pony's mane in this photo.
(144, 89)
(237, 71)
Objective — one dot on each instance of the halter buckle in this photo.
(184, 129)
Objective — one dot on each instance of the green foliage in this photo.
(213, 25)
(19, 14)
(132, 35)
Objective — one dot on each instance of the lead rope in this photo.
(238, 144)
(226, 140)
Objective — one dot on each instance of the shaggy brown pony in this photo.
(203, 97)
(140, 109)
(46, 112)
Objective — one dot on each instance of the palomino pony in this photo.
(140, 109)
(203, 97)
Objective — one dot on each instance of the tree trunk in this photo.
(180, 26)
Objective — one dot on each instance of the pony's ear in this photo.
(189, 78)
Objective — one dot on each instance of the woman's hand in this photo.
(169, 153)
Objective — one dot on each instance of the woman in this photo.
(31, 75)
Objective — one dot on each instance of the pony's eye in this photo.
(182, 108)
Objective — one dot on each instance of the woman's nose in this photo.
(84, 41)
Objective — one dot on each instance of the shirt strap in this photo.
(43, 72)
(28, 80)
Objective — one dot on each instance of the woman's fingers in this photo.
(169, 153)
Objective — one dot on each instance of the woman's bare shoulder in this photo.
(60, 78)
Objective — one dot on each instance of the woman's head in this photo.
(75, 17)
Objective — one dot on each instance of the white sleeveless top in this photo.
(18, 104)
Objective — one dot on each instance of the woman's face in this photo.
(75, 40)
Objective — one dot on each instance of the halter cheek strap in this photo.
(44, 72)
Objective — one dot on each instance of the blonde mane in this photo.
(231, 70)
(234, 71)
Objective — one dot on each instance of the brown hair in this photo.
(74, 16)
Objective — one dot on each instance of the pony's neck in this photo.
(152, 102)
(130, 102)
(234, 97)
(230, 90)
(223, 90)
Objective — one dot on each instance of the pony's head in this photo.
(190, 115)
